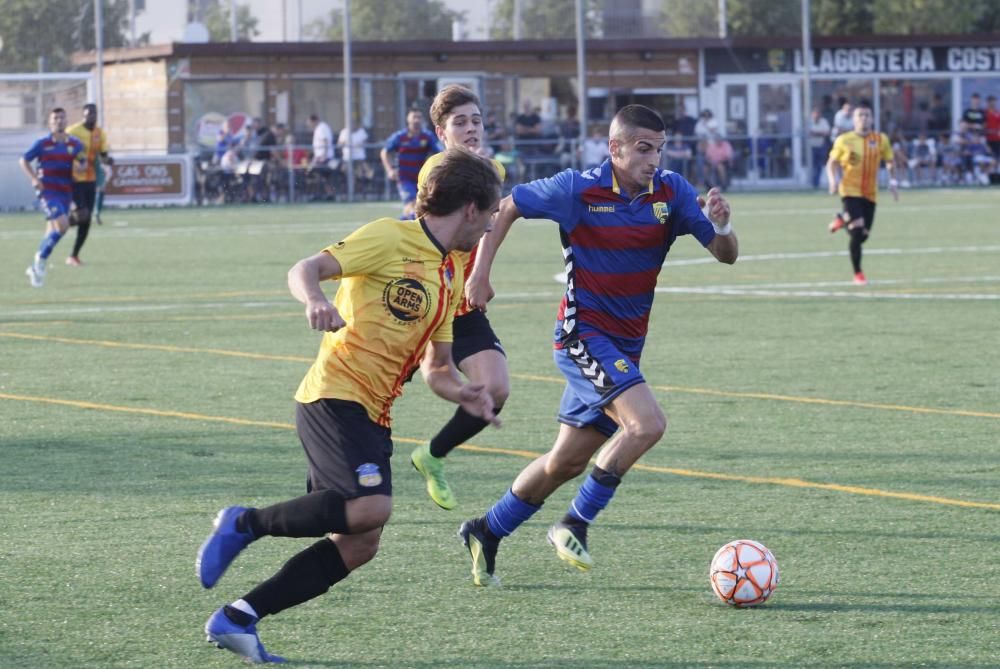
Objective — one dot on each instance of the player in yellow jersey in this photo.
(477, 352)
(394, 310)
(857, 156)
(95, 144)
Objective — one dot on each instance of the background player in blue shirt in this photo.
(414, 146)
(53, 182)
(617, 223)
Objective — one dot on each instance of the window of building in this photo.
(905, 105)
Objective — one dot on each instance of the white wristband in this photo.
(724, 230)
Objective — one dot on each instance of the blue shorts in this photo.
(407, 190)
(596, 373)
(54, 207)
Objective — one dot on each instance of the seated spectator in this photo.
(528, 128)
(495, 133)
(719, 158)
(949, 160)
(595, 148)
(923, 158)
(982, 161)
(678, 154)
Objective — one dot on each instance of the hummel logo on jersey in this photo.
(601, 208)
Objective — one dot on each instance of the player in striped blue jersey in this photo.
(414, 146)
(617, 223)
(55, 154)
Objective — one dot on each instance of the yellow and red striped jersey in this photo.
(95, 142)
(399, 290)
(859, 157)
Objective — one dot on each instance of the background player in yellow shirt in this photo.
(477, 352)
(858, 155)
(394, 309)
(95, 144)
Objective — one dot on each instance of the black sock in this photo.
(462, 427)
(857, 239)
(311, 515)
(82, 230)
(306, 576)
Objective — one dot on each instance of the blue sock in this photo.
(508, 514)
(593, 495)
(48, 243)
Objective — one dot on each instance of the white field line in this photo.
(125, 231)
(832, 254)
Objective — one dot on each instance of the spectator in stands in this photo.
(949, 160)
(991, 125)
(842, 120)
(528, 129)
(819, 143)
(678, 154)
(259, 172)
(495, 132)
(940, 120)
(974, 115)
(353, 149)
(923, 158)
(980, 158)
(319, 170)
(595, 148)
(719, 157)
(705, 126)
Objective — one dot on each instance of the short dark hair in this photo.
(447, 99)
(314, 117)
(90, 105)
(57, 110)
(460, 177)
(640, 116)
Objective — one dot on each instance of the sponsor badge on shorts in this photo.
(369, 475)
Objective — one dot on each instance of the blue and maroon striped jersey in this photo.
(413, 151)
(613, 247)
(55, 165)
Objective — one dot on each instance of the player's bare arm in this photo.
(890, 168)
(390, 171)
(831, 175)
(26, 168)
(725, 247)
(304, 283)
(478, 290)
(442, 377)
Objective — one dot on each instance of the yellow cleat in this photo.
(432, 469)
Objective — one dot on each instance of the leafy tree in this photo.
(53, 30)
(217, 19)
(388, 20)
(682, 18)
(842, 17)
(545, 19)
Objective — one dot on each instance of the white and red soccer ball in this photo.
(744, 573)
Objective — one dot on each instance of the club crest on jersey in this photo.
(406, 299)
(369, 475)
(621, 365)
(661, 212)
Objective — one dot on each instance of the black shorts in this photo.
(860, 207)
(347, 451)
(472, 333)
(84, 194)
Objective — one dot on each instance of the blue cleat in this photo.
(239, 639)
(221, 547)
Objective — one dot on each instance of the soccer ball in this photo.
(744, 573)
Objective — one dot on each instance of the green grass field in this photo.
(854, 431)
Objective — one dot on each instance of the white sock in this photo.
(242, 605)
